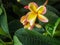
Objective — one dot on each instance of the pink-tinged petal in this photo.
(31, 18)
(26, 7)
(31, 27)
(28, 26)
(45, 10)
(23, 20)
(33, 6)
(42, 18)
(41, 10)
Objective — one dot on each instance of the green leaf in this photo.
(49, 29)
(16, 41)
(3, 19)
(14, 25)
(40, 30)
(1, 42)
(4, 23)
(52, 17)
(0, 11)
(31, 37)
(57, 34)
(56, 25)
(2, 32)
(52, 29)
(50, 8)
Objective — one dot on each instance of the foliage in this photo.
(12, 31)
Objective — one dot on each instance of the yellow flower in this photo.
(29, 19)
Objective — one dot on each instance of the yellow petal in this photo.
(31, 18)
(38, 26)
(23, 20)
(27, 25)
(42, 18)
(32, 6)
(41, 10)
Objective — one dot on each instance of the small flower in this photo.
(29, 19)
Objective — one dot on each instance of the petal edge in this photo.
(42, 18)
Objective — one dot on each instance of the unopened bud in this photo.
(26, 7)
(18, 0)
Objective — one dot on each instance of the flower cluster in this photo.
(29, 19)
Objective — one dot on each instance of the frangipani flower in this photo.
(29, 19)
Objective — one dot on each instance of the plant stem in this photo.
(45, 3)
(56, 24)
